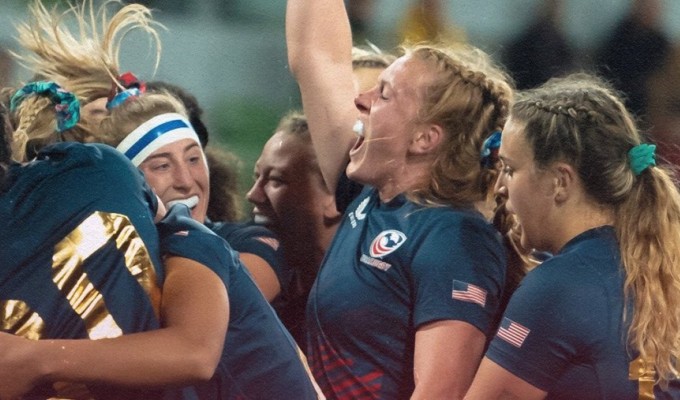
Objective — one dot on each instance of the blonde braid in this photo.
(35, 127)
(469, 97)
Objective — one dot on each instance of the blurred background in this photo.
(231, 53)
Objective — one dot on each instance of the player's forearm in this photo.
(188, 349)
(130, 360)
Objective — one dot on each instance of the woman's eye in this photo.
(275, 181)
(160, 167)
(381, 92)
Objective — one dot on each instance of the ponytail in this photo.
(648, 229)
(43, 113)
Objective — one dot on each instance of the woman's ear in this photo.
(564, 181)
(427, 139)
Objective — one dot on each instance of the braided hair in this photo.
(582, 121)
(469, 97)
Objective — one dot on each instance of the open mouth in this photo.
(190, 202)
(358, 143)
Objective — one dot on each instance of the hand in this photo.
(18, 374)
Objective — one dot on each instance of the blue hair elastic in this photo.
(490, 147)
(66, 105)
(642, 157)
(122, 97)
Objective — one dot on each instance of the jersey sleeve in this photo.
(459, 273)
(549, 321)
(257, 240)
(261, 242)
(183, 236)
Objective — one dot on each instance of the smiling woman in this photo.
(154, 133)
(168, 151)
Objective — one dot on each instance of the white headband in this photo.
(155, 133)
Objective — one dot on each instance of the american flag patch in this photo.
(464, 291)
(269, 241)
(512, 332)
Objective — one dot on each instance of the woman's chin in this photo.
(353, 170)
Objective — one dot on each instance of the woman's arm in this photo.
(446, 357)
(495, 382)
(263, 274)
(186, 349)
(319, 43)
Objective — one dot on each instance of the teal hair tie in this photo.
(642, 157)
(66, 105)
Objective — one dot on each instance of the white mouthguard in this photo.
(191, 202)
(358, 128)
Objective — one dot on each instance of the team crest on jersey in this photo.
(386, 242)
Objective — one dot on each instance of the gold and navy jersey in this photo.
(79, 253)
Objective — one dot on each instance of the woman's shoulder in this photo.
(451, 216)
(80, 157)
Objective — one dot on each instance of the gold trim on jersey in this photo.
(69, 276)
(137, 259)
(17, 317)
(644, 373)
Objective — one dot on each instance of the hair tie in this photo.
(122, 97)
(489, 155)
(129, 82)
(641, 157)
(66, 105)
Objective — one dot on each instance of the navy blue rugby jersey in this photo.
(563, 330)
(247, 237)
(79, 253)
(260, 359)
(391, 268)
(256, 239)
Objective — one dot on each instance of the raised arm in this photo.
(319, 43)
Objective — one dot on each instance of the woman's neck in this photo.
(582, 220)
(412, 175)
